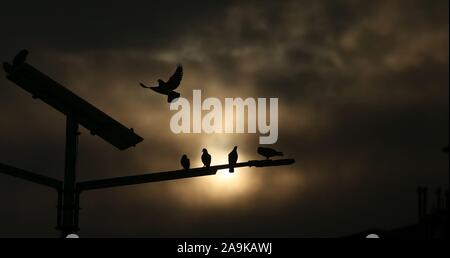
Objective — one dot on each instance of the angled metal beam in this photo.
(60, 98)
(30, 176)
(174, 175)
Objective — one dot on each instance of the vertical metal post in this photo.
(439, 199)
(419, 203)
(425, 202)
(76, 209)
(59, 209)
(68, 226)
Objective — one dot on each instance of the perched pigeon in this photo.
(185, 162)
(167, 88)
(206, 158)
(268, 152)
(20, 58)
(232, 159)
(8, 68)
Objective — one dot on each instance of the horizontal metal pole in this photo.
(30, 176)
(174, 175)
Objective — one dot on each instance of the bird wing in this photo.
(144, 86)
(271, 152)
(206, 158)
(233, 157)
(265, 151)
(175, 79)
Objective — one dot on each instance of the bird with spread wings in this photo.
(168, 88)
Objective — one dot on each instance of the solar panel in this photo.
(54, 94)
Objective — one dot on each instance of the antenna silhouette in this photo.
(80, 112)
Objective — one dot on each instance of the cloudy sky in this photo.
(363, 108)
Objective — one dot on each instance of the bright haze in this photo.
(363, 108)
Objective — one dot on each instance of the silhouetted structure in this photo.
(176, 174)
(422, 202)
(78, 111)
(432, 224)
(445, 149)
(438, 199)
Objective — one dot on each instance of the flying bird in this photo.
(206, 158)
(268, 152)
(168, 88)
(232, 159)
(185, 162)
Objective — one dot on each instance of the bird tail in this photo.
(172, 95)
(144, 86)
(231, 169)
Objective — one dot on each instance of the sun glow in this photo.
(224, 187)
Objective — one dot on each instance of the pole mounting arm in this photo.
(174, 175)
(30, 176)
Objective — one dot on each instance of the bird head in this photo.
(20, 57)
(184, 156)
(205, 151)
(235, 148)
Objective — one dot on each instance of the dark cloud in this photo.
(103, 24)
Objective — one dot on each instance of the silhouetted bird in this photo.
(268, 152)
(232, 159)
(7, 67)
(167, 88)
(206, 158)
(185, 162)
(20, 58)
